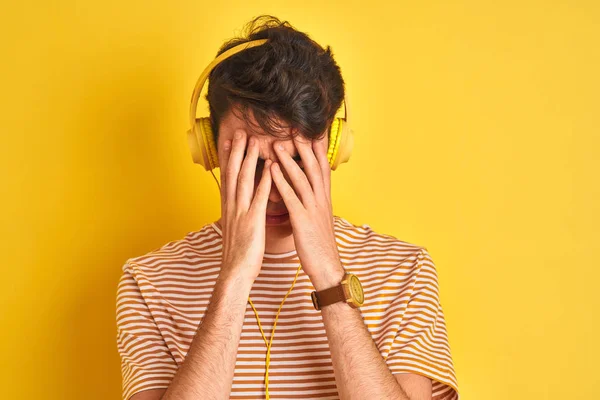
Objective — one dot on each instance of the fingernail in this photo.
(252, 141)
(238, 135)
(280, 146)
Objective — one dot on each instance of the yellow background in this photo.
(477, 136)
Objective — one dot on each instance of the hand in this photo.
(242, 216)
(311, 216)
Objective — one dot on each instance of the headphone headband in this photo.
(223, 56)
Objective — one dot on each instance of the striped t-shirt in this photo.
(162, 297)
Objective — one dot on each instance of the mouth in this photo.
(277, 215)
(278, 219)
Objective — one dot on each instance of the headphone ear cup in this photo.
(341, 141)
(334, 135)
(209, 140)
(202, 144)
(195, 144)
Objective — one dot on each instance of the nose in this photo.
(274, 195)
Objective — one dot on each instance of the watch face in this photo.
(356, 289)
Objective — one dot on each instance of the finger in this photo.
(299, 179)
(261, 198)
(223, 158)
(292, 203)
(234, 165)
(246, 176)
(311, 165)
(320, 150)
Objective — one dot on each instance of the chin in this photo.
(286, 226)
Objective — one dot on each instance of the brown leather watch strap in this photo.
(330, 296)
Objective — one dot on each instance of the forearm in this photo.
(207, 371)
(360, 371)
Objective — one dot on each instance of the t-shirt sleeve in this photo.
(421, 344)
(146, 362)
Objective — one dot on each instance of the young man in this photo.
(195, 317)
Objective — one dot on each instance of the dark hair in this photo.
(290, 78)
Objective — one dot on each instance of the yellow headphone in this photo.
(201, 139)
(204, 152)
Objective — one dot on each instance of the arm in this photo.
(208, 368)
(359, 368)
(207, 371)
(360, 371)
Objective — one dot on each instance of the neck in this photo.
(278, 239)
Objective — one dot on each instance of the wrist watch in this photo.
(349, 290)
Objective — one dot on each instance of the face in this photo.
(276, 223)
